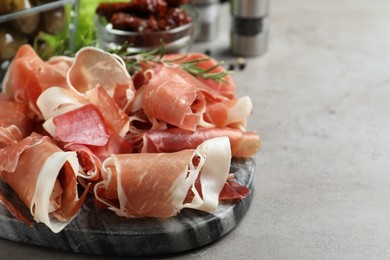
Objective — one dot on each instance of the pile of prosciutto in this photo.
(142, 145)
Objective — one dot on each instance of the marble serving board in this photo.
(99, 231)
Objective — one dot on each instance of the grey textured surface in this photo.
(321, 104)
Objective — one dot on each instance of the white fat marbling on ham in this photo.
(215, 171)
(63, 102)
(49, 126)
(240, 111)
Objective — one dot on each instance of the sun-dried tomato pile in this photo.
(145, 15)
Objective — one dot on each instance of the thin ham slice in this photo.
(44, 178)
(28, 75)
(8, 135)
(91, 157)
(93, 67)
(67, 101)
(230, 113)
(243, 144)
(90, 164)
(115, 145)
(10, 154)
(156, 185)
(15, 113)
(15, 123)
(233, 190)
(226, 87)
(176, 97)
(84, 125)
(64, 101)
(114, 117)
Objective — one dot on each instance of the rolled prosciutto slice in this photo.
(44, 178)
(174, 96)
(243, 144)
(156, 185)
(232, 113)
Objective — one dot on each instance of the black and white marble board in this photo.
(99, 231)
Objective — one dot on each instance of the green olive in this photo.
(10, 41)
(9, 6)
(54, 20)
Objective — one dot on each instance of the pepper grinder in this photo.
(249, 27)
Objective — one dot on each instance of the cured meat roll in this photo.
(157, 185)
(44, 178)
(243, 144)
(174, 96)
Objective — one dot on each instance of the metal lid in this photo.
(249, 8)
(249, 45)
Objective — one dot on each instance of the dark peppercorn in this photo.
(241, 63)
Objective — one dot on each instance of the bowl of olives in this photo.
(34, 22)
(142, 25)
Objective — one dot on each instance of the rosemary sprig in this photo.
(140, 60)
(192, 68)
(137, 61)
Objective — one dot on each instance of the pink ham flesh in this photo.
(91, 157)
(226, 88)
(115, 118)
(30, 75)
(169, 96)
(243, 144)
(82, 126)
(29, 156)
(156, 199)
(90, 164)
(9, 156)
(15, 113)
(176, 97)
(231, 190)
(156, 185)
(93, 67)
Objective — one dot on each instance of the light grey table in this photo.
(321, 100)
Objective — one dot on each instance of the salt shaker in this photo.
(208, 18)
(249, 28)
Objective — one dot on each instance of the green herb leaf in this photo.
(136, 61)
